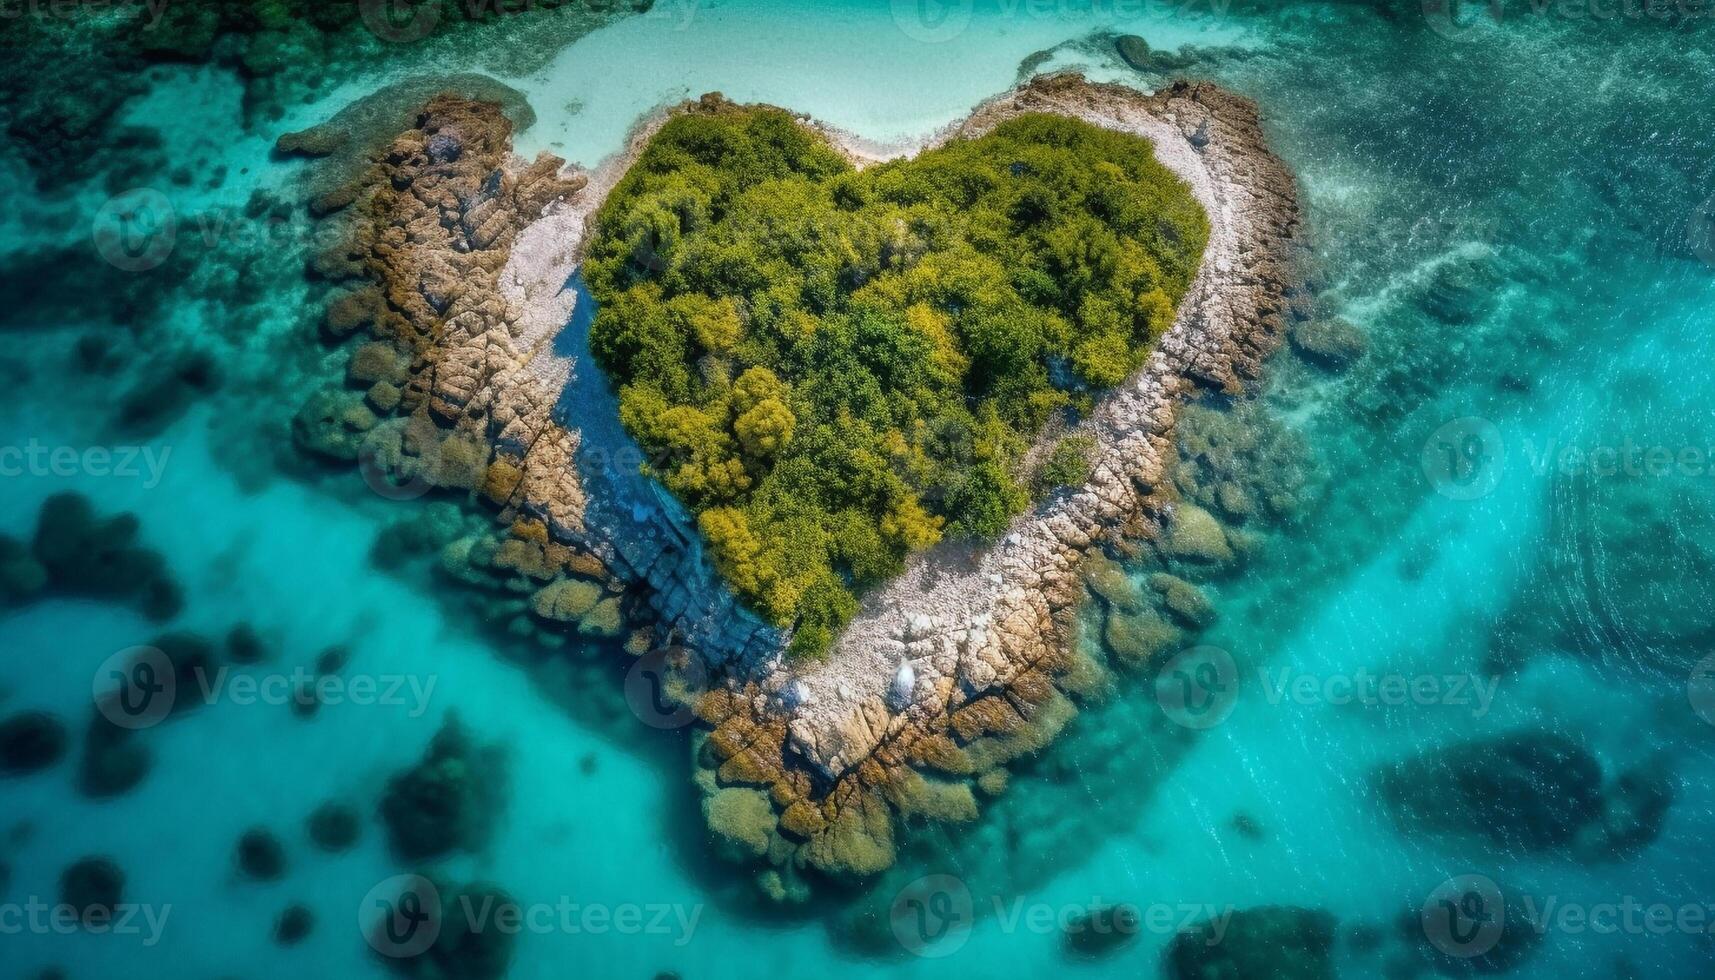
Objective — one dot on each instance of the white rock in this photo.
(904, 682)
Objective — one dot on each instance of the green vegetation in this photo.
(1067, 465)
(833, 368)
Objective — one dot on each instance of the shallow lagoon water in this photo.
(1570, 156)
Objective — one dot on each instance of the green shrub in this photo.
(836, 368)
(1067, 465)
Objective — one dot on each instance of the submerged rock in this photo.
(260, 855)
(467, 945)
(113, 761)
(87, 555)
(449, 800)
(1135, 51)
(1184, 600)
(1138, 639)
(22, 577)
(92, 887)
(1462, 948)
(294, 924)
(1194, 535)
(1101, 930)
(1330, 342)
(245, 646)
(334, 826)
(30, 742)
(1277, 942)
(1533, 790)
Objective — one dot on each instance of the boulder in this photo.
(1184, 600)
(1101, 930)
(565, 601)
(1108, 579)
(1134, 51)
(1193, 535)
(1137, 638)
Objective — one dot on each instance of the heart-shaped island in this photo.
(833, 440)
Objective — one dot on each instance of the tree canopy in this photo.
(833, 368)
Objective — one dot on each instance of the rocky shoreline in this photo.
(960, 664)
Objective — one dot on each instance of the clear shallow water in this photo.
(1567, 158)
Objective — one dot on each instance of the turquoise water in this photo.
(1510, 211)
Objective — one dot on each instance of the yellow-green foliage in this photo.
(835, 368)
